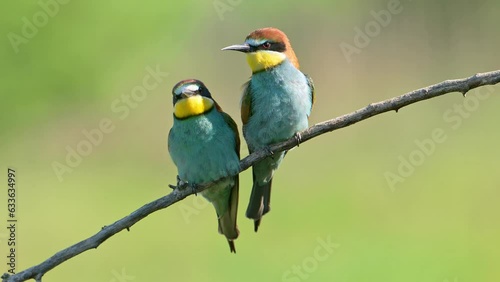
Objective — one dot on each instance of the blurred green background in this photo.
(439, 224)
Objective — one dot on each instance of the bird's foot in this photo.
(268, 150)
(298, 138)
(194, 188)
(181, 184)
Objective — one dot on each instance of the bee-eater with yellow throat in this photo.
(205, 146)
(275, 106)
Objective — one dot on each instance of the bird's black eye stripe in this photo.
(273, 46)
(265, 46)
(204, 92)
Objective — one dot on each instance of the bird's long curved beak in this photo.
(238, 47)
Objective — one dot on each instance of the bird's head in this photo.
(266, 48)
(191, 98)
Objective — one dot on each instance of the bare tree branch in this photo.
(181, 191)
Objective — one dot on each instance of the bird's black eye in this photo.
(266, 45)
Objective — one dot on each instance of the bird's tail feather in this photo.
(227, 222)
(259, 203)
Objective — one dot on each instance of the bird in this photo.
(204, 145)
(275, 106)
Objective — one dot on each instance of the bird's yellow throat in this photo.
(193, 106)
(262, 60)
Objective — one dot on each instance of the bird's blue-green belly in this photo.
(203, 148)
(281, 104)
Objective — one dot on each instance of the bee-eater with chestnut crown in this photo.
(205, 146)
(275, 106)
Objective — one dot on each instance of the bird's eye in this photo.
(266, 45)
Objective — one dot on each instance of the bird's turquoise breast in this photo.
(203, 148)
(280, 105)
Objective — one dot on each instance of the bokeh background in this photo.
(440, 223)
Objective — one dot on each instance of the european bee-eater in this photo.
(275, 106)
(205, 146)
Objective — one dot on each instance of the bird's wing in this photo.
(227, 222)
(246, 103)
(311, 86)
(169, 136)
(234, 128)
